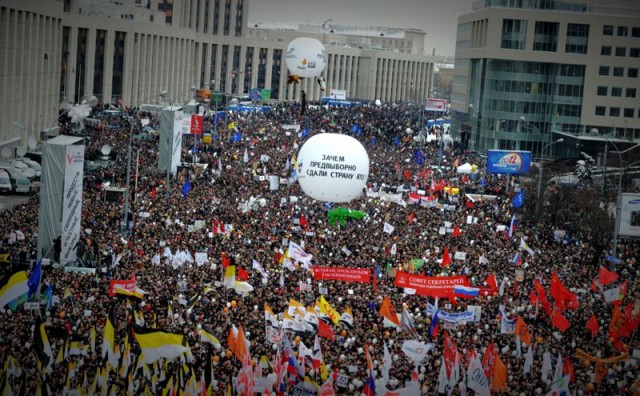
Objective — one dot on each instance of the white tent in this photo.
(465, 168)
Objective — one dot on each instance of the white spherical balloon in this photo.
(306, 57)
(332, 167)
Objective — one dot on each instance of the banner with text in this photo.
(71, 202)
(343, 274)
(432, 286)
(129, 285)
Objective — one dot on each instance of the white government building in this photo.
(129, 51)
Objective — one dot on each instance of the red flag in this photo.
(594, 286)
(450, 351)
(605, 276)
(492, 282)
(303, 222)
(559, 321)
(593, 325)
(242, 274)
(469, 204)
(325, 330)
(568, 369)
(407, 174)
(153, 194)
(410, 218)
(564, 298)
(456, 231)
(446, 258)
(489, 360)
(225, 261)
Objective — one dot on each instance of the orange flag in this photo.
(499, 382)
(231, 340)
(387, 311)
(241, 345)
(522, 331)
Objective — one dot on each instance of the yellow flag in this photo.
(231, 125)
(328, 310)
(230, 277)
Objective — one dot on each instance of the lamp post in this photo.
(528, 124)
(124, 224)
(539, 190)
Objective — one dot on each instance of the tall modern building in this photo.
(129, 51)
(528, 72)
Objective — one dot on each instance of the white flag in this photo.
(518, 347)
(386, 364)
(476, 379)
(557, 374)
(245, 158)
(394, 248)
(388, 228)
(612, 295)
(528, 360)
(546, 366)
(442, 378)
(298, 254)
(256, 266)
(523, 245)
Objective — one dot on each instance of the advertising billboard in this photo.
(630, 215)
(508, 161)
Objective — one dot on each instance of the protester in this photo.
(233, 216)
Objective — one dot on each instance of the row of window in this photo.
(607, 50)
(616, 91)
(632, 72)
(622, 31)
(615, 112)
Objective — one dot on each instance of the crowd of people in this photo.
(241, 220)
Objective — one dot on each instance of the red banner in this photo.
(129, 285)
(343, 274)
(433, 286)
(196, 124)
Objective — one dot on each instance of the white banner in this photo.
(176, 143)
(339, 94)
(71, 202)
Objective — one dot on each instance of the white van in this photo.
(19, 183)
(19, 167)
(5, 182)
(32, 164)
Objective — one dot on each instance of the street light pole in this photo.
(124, 226)
(539, 190)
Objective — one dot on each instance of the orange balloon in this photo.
(216, 358)
(344, 333)
(226, 310)
(233, 303)
(228, 354)
(539, 339)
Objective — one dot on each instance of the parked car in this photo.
(5, 182)
(33, 165)
(19, 183)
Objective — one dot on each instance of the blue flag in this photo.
(356, 129)
(34, 280)
(518, 200)
(236, 137)
(304, 133)
(186, 188)
(48, 297)
(374, 141)
(396, 141)
(378, 271)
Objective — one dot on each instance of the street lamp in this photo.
(538, 196)
(124, 224)
(528, 124)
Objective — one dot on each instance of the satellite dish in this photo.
(91, 100)
(31, 143)
(21, 151)
(6, 153)
(105, 150)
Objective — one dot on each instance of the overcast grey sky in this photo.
(436, 17)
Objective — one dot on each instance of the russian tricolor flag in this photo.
(465, 291)
(517, 260)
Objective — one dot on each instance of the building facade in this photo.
(131, 51)
(528, 72)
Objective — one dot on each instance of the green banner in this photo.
(265, 94)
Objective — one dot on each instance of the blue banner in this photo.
(511, 162)
(453, 317)
(613, 260)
